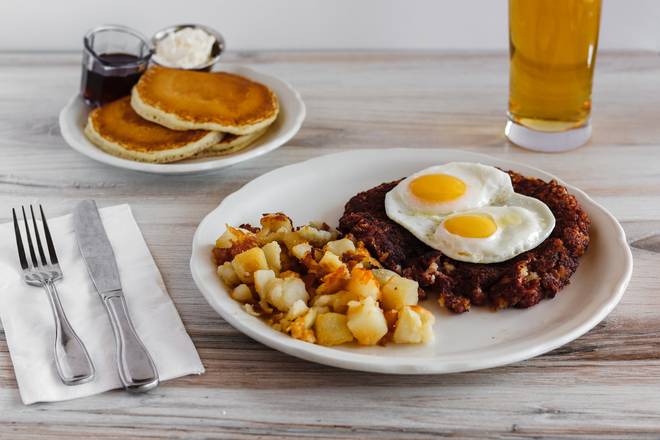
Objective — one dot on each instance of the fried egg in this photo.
(480, 220)
(455, 186)
(494, 233)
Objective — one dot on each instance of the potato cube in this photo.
(415, 325)
(248, 262)
(276, 222)
(427, 323)
(242, 293)
(341, 299)
(290, 239)
(408, 327)
(331, 329)
(363, 283)
(317, 237)
(273, 253)
(282, 293)
(384, 275)
(324, 300)
(337, 301)
(366, 321)
(232, 236)
(228, 275)
(310, 317)
(299, 330)
(298, 309)
(301, 249)
(330, 262)
(399, 292)
(250, 309)
(261, 279)
(340, 247)
(333, 282)
(320, 309)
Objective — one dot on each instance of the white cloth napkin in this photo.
(28, 322)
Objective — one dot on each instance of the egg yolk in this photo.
(437, 187)
(471, 225)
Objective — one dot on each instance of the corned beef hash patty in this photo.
(520, 282)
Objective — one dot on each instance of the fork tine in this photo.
(49, 239)
(33, 256)
(19, 241)
(38, 237)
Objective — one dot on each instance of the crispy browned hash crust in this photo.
(520, 282)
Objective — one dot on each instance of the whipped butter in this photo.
(186, 48)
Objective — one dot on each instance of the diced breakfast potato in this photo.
(290, 239)
(330, 262)
(414, 325)
(366, 321)
(242, 293)
(282, 293)
(333, 282)
(363, 283)
(298, 309)
(331, 329)
(300, 330)
(399, 292)
(427, 323)
(248, 262)
(340, 247)
(276, 222)
(273, 253)
(383, 275)
(320, 309)
(341, 299)
(228, 275)
(317, 237)
(232, 235)
(408, 327)
(337, 301)
(261, 279)
(324, 300)
(301, 249)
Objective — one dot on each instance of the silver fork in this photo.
(73, 363)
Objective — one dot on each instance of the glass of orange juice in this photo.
(552, 51)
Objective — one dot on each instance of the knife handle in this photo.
(137, 370)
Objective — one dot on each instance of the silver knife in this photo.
(137, 370)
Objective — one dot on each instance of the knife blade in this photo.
(95, 248)
(137, 370)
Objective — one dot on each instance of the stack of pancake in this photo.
(175, 114)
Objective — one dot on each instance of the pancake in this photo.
(191, 100)
(231, 143)
(117, 129)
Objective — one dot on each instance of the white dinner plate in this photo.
(318, 189)
(73, 118)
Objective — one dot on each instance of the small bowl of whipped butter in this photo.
(187, 46)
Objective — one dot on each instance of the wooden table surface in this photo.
(605, 384)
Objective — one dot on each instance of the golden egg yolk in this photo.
(437, 187)
(471, 225)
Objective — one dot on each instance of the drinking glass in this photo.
(552, 51)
